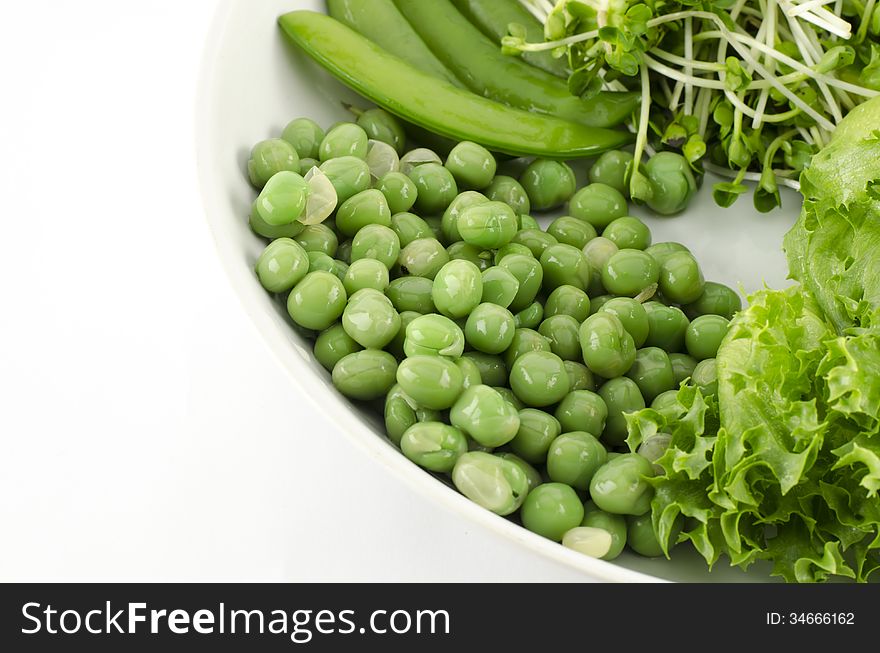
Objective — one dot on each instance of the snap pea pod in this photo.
(479, 63)
(382, 23)
(437, 105)
(493, 17)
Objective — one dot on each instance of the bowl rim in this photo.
(319, 395)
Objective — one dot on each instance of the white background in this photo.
(147, 434)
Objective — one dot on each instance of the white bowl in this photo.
(252, 84)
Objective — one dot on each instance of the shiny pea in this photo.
(628, 233)
(399, 190)
(370, 318)
(283, 198)
(511, 248)
(377, 242)
(667, 326)
(524, 221)
(524, 340)
(548, 183)
(458, 287)
(571, 231)
(582, 410)
(488, 225)
(348, 175)
(568, 300)
(562, 331)
(492, 368)
(716, 299)
(509, 397)
(369, 207)
(705, 377)
(565, 265)
(317, 301)
(579, 376)
(270, 157)
(539, 378)
(499, 286)
(344, 139)
(532, 474)
(432, 381)
(530, 275)
(662, 251)
(537, 430)
(452, 214)
(629, 272)
(704, 335)
(621, 395)
(607, 348)
(536, 240)
(490, 328)
(433, 445)
(399, 413)
(682, 367)
(366, 273)
(681, 280)
(271, 231)
(365, 375)
(573, 459)
(334, 344)
(653, 448)
(318, 238)
(632, 316)
(483, 414)
(435, 186)
(282, 265)
(642, 538)
(552, 509)
(613, 168)
(492, 482)
(423, 258)
(470, 372)
(598, 204)
(305, 135)
(411, 294)
(619, 486)
(652, 372)
(614, 525)
(529, 317)
(472, 165)
(433, 335)
(598, 252)
(380, 125)
(395, 347)
(510, 191)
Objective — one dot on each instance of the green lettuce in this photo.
(784, 464)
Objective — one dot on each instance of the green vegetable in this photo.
(269, 157)
(496, 483)
(436, 105)
(552, 509)
(483, 414)
(282, 265)
(472, 165)
(317, 301)
(305, 135)
(433, 445)
(364, 375)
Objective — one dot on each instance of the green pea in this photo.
(582, 410)
(317, 301)
(378, 242)
(395, 347)
(370, 318)
(435, 186)
(305, 165)
(271, 231)
(705, 377)
(489, 328)
(411, 294)
(399, 191)
(380, 125)
(318, 238)
(433, 335)
(462, 251)
(537, 430)
(619, 486)
(510, 191)
(598, 252)
(614, 525)
(485, 415)
(345, 139)
(399, 414)
(529, 317)
(667, 326)
(320, 261)
(511, 248)
(366, 273)
(472, 165)
(365, 375)
(568, 300)
(539, 378)
(653, 448)
(417, 157)
(613, 168)
(492, 482)
(470, 372)
(571, 231)
(565, 265)
(423, 258)
(598, 204)
(343, 251)
(532, 474)
(662, 251)
(652, 372)
(530, 275)
(717, 299)
(458, 287)
(681, 280)
(682, 367)
(269, 158)
(493, 371)
(632, 316)
(452, 214)
(433, 221)
(340, 269)
(667, 404)
(536, 240)
(573, 458)
(499, 286)
(432, 381)
(672, 182)
(283, 198)
(629, 272)
(551, 509)
(548, 183)
(641, 537)
(509, 397)
(562, 331)
(305, 135)
(368, 207)
(579, 376)
(628, 233)
(621, 395)
(524, 340)
(332, 345)
(704, 335)
(488, 225)
(524, 221)
(348, 175)
(433, 445)
(282, 265)
(409, 227)
(607, 348)
(592, 542)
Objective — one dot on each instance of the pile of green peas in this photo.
(501, 354)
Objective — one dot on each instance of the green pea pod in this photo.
(436, 105)
(480, 64)
(493, 17)
(382, 23)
